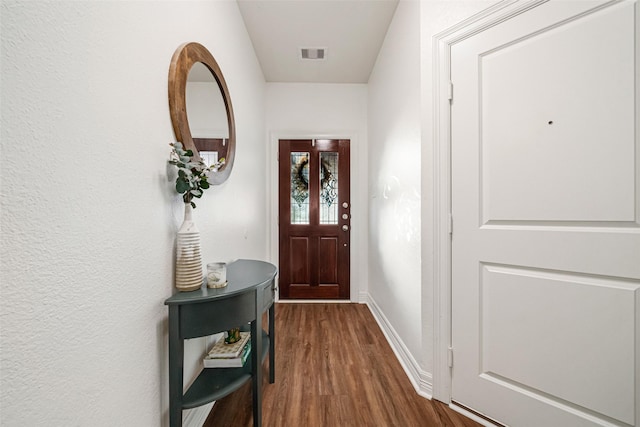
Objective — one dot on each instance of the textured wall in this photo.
(88, 215)
(394, 177)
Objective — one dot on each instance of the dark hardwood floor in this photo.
(334, 368)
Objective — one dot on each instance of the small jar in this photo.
(217, 275)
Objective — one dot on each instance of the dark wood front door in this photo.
(314, 218)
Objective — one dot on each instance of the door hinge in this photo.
(450, 357)
(450, 91)
(451, 224)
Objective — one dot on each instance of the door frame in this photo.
(359, 223)
(441, 166)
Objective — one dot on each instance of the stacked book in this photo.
(224, 355)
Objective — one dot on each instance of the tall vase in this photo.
(188, 261)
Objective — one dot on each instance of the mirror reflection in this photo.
(207, 114)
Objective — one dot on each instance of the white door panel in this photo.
(576, 81)
(546, 204)
(572, 341)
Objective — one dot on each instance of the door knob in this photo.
(345, 205)
(345, 227)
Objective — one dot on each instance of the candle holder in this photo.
(216, 275)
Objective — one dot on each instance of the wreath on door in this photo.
(300, 181)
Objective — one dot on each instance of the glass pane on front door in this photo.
(328, 187)
(299, 188)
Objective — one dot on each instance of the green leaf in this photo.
(204, 184)
(182, 186)
(186, 172)
(193, 205)
(188, 153)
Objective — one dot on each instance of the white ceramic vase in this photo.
(188, 261)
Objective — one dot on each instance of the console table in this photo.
(249, 293)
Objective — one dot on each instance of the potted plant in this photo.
(193, 174)
(192, 180)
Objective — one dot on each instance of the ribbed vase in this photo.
(188, 260)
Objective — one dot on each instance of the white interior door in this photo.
(546, 208)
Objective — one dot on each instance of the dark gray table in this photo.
(205, 311)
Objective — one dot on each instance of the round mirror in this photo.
(200, 108)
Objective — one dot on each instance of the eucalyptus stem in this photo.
(193, 174)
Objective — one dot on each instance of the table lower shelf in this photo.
(215, 383)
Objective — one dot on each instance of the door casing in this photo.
(441, 166)
(358, 245)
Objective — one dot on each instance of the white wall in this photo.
(394, 179)
(306, 110)
(401, 232)
(88, 214)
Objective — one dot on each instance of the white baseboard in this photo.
(197, 416)
(421, 380)
(363, 297)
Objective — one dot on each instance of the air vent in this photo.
(312, 53)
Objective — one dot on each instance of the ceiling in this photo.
(350, 31)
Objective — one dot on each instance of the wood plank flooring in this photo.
(334, 368)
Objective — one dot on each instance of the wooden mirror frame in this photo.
(183, 59)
